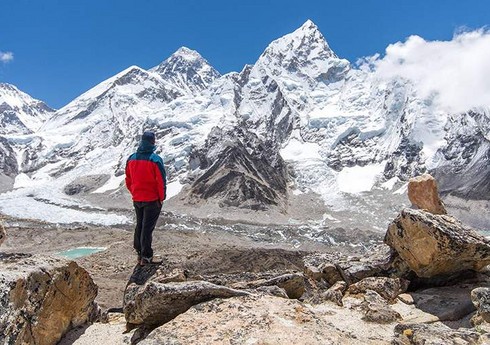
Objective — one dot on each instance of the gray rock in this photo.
(388, 288)
(292, 283)
(448, 303)
(85, 184)
(434, 334)
(436, 244)
(154, 303)
(42, 298)
(481, 300)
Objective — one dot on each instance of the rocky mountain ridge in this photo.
(324, 126)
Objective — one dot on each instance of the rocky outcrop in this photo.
(268, 320)
(434, 245)
(423, 194)
(42, 298)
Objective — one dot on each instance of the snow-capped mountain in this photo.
(187, 70)
(300, 120)
(19, 112)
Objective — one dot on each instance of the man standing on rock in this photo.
(146, 181)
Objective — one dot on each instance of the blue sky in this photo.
(62, 48)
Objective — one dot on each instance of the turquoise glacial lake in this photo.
(80, 252)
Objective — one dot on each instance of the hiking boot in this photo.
(154, 260)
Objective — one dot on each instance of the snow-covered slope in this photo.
(19, 112)
(299, 120)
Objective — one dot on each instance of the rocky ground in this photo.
(225, 282)
(204, 249)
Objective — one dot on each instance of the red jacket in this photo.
(145, 175)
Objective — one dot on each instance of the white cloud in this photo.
(6, 56)
(457, 72)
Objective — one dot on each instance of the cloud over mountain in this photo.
(455, 73)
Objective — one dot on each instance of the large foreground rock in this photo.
(153, 298)
(436, 244)
(41, 298)
(269, 320)
(423, 193)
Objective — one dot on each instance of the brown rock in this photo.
(376, 309)
(313, 272)
(335, 293)
(331, 273)
(388, 288)
(436, 244)
(42, 298)
(423, 193)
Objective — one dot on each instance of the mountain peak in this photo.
(19, 112)
(187, 70)
(186, 53)
(309, 25)
(303, 51)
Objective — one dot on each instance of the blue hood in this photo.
(146, 147)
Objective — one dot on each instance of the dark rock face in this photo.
(245, 173)
(8, 161)
(434, 245)
(465, 167)
(85, 184)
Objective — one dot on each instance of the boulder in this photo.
(331, 273)
(434, 245)
(423, 193)
(481, 300)
(335, 293)
(388, 288)
(313, 272)
(155, 296)
(267, 320)
(376, 309)
(42, 298)
(435, 334)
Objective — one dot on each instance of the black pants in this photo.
(146, 218)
